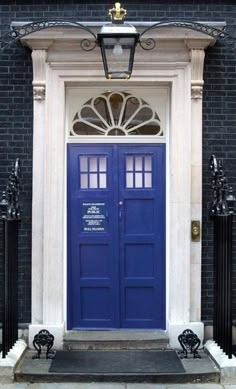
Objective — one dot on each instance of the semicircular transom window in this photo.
(116, 114)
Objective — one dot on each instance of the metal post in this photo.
(222, 211)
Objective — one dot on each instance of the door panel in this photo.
(93, 252)
(142, 236)
(116, 236)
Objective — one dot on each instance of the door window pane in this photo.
(147, 180)
(138, 163)
(93, 181)
(93, 164)
(129, 180)
(148, 163)
(84, 181)
(129, 163)
(138, 180)
(102, 164)
(83, 164)
(102, 181)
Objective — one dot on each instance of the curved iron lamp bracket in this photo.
(17, 33)
(216, 33)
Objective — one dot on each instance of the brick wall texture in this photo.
(16, 116)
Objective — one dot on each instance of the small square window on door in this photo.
(93, 172)
(138, 171)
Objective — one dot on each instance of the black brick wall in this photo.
(219, 107)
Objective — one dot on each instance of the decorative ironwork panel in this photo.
(190, 343)
(44, 339)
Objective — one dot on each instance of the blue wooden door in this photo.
(116, 236)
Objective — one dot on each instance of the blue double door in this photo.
(116, 236)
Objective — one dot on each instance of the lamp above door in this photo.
(117, 41)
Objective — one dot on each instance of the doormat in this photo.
(116, 362)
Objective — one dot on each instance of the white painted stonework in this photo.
(9, 363)
(176, 64)
(227, 366)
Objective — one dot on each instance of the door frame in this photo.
(178, 64)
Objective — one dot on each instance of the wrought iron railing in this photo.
(10, 223)
(222, 211)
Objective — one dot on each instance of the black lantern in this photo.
(117, 41)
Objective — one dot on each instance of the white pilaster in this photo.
(197, 63)
(39, 82)
(179, 155)
(54, 227)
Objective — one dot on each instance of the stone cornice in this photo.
(44, 39)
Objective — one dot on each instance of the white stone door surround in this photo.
(58, 62)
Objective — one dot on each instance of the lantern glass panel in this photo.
(118, 54)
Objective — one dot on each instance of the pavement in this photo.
(113, 386)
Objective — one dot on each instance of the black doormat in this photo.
(92, 362)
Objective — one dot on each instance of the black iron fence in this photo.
(10, 223)
(222, 211)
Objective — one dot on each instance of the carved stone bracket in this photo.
(197, 62)
(39, 62)
(39, 92)
(196, 90)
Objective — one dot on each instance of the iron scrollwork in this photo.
(216, 33)
(10, 197)
(147, 44)
(44, 339)
(190, 343)
(223, 199)
(16, 33)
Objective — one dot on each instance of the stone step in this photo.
(195, 371)
(116, 340)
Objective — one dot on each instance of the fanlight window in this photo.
(116, 114)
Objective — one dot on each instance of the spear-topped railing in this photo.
(222, 210)
(10, 215)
